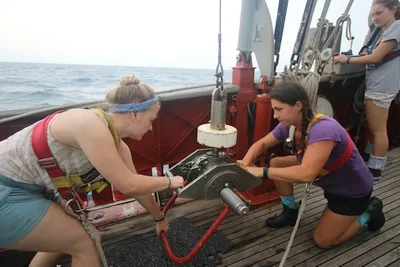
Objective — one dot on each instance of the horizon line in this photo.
(105, 65)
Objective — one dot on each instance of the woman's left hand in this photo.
(256, 171)
(340, 58)
(162, 226)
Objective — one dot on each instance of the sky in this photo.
(156, 33)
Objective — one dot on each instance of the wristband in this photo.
(265, 172)
(348, 60)
(162, 218)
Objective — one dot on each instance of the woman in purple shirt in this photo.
(347, 188)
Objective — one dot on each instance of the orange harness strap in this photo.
(342, 160)
(47, 161)
(42, 149)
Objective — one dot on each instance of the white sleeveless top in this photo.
(18, 161)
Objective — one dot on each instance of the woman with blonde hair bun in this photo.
(79, 148)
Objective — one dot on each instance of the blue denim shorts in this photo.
(22, 207)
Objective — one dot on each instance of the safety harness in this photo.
(376, 39)
(332, 167)
(62, 181)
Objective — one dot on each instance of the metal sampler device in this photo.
(210, 173)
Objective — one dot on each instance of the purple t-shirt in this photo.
(353, 179)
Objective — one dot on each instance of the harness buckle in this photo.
(290, 141)
(48, 163)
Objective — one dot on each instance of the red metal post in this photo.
(266, 191)
(264, 111)
(263, 116)
(243, 75)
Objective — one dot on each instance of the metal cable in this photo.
(316, 38)
(302, 34)
(335, 33)
(219, 72)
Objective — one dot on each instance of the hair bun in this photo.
(128, 80)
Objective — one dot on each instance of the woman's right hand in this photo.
(176, 182)
(242, 164)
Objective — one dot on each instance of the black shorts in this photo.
(346, 205)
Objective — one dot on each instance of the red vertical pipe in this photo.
(263, 116)
(243, 76)
(266, 191)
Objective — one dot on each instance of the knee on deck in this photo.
(324, 242)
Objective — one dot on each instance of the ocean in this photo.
(32, 85)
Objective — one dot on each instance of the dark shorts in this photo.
(346, 205)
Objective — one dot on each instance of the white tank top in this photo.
(18, 161)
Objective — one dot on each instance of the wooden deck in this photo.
(256, 245)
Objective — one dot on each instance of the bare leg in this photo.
(352, 231)
(285, 189)
(377, 122)
(334, 229)
(59, 232)
(289, 213)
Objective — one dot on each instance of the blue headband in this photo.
(135, 107)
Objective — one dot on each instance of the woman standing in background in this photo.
(382, 80)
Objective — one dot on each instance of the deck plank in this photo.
(387, 259)
(393, 264)
(375, 253)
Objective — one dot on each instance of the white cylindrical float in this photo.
(209, 137)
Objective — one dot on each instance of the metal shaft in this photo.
(234, 202)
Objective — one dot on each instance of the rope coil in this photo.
(308, 79)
